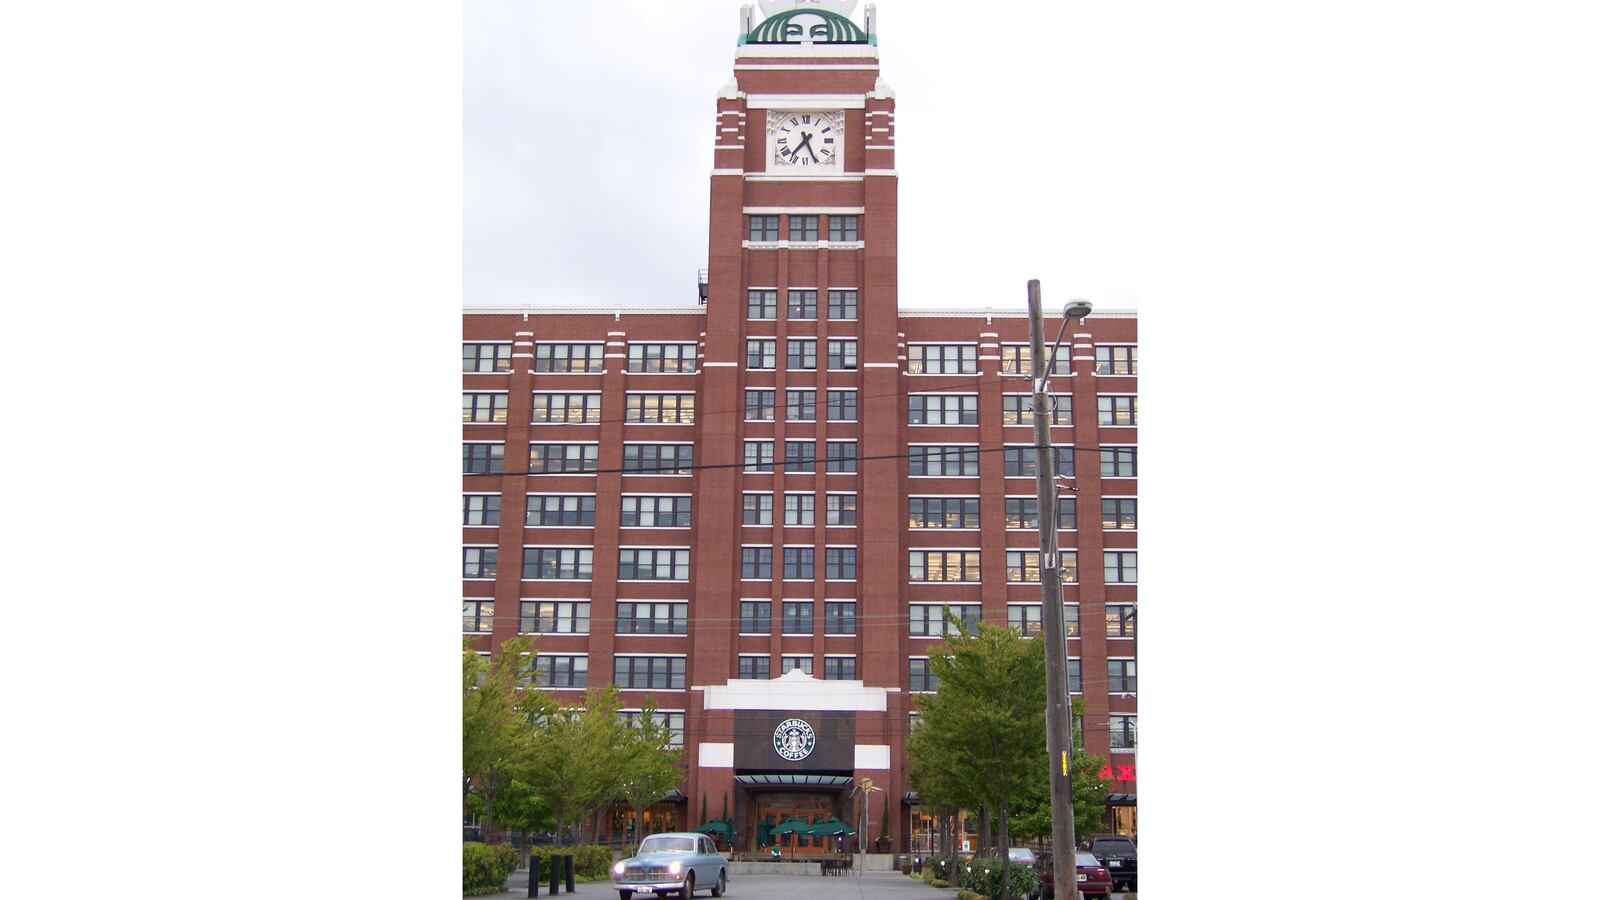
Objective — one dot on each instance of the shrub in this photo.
(485, 867)
(591, 862)
(971, 895)
(986, 875)
(937, 882)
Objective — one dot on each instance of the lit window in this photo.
(1116, 360)
(477, 616)
(1118, 410)
(566, 408)
(1119, 513)
(587, 357)
(554, 617)
(563, 457)
(660, 409)
(483, 408)
(486, 357)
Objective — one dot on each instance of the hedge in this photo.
(1024, 879)
(590, 861)
(485, 867)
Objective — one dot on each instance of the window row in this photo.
(805, 228)
(1109, 359)
(799, 563)
(800, 456)
(761, 304)
(799, 509)
(834, 668)
(838, 617)
(801, 354)
(800, 405)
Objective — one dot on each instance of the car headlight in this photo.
(618, 868)
(674, 867)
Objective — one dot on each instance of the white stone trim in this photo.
(806, 101)
(794, 690)
(716, 756)
(872, 756)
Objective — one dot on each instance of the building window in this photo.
(485, 357)
(557, 563)
(670, 720)
(944, 512)
(660, 409)
(948, 461)
(1121, 677)
(799, 457)
(1022, 462)
(922, 680)
(480, 509)
(839, 563)
(760, 304)
(758, 456)
(1117, 410)
(763, 229)
(571, 458)
(841, 509)
(657, 459)
(1074, 676)
(554, 617)
(761, 353)
(1118, 462)
(1017, 409)
(928, 620)
(479, 562)
(1067, 513)
(656, 512)
(1017, 359)
(1022, 512)
(799, 509)
(755, 617)
(839, 617)
(942, 409)
(559, 509)
(1120, 620)
(843, 228)
(670, 358)
(563, 671)
(1027, 618)
(1116, 360)
(1022, 565)
(650, 672)
(842, 457)
(571, 409)
(802, 304)
(802, 228)
(945, 565)
(1122, 567)
(755, 667)
(477, 616)
(652, 618)
(1070, 617)
(758, 404)
(838, 668)
(842, 356)
(483, 407)
(841, 406)
(757, 509)
(755, 563)
(802, 354)
(483, 459)
(799, 563)
(803, 663)
(842, 306)
(800, 405)
(652, 564)
(569, 357)
(1119, 513)
(942, 359)
(1124, 732)
(797, 617)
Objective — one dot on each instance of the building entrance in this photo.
(772, 810)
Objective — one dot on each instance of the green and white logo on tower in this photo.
(794, 739)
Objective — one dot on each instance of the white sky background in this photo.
(589, 128)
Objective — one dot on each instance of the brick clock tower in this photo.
(750, 512)
(802, 273)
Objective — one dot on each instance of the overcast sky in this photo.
(589, 127)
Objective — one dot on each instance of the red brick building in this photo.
(793, 472)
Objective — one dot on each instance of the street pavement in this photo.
(843, 887)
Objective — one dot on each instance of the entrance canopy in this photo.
(795, 778)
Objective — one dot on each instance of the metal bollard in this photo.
(533, 876)
(568, 862)
(555, 875)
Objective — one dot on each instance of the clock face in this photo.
(805, 141)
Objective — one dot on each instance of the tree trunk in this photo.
(488, 814)
(1005, 853)
(983, 828)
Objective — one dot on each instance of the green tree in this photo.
(1031, 819)
(653, 765)
(495, 731)
(981, 742)
(578, 757)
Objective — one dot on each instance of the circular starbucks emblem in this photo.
(794, 740)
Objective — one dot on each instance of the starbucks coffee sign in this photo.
(794, 739)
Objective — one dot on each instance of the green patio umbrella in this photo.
(792, 826)
(832, 826)
(716, 826)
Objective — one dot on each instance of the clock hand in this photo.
(805, 144)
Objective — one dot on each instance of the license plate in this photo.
(644, 890)
(1082, 877)
(1113, 863)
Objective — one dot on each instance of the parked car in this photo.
(1022, 856)
(1120, 856)
(1093, 878)
(672, 863)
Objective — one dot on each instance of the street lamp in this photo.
(1058, 708)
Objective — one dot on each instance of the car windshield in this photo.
(1021, 853)
(1085, 858)
(1113, 845)
(666, 845)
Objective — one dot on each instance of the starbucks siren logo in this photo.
(794, 740)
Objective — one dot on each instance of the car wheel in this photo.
(625, 895)
(722, 883)
(688, 887)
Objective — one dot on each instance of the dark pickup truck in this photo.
(1120, 857)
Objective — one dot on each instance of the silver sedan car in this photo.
(673, 863)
